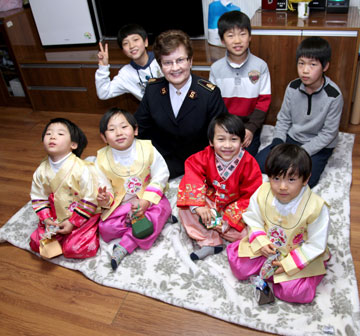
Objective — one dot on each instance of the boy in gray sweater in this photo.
(311, 110)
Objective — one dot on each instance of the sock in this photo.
(118, 254)
(206, 251)
(173, 219)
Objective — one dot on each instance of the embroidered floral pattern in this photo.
(277, 236)
(133, 185)
(233, 215)
(298, 239)
(194, 193)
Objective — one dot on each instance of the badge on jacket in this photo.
(254, 76)
(192, 94)
(207, 85)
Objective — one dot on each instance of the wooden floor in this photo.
(39, 298)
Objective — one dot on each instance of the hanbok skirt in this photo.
(117, 225)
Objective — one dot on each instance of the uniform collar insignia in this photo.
(206, 84)
(192, 94)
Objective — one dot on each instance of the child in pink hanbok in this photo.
(217, 186)
(64, 191)
(137, 176)
(286, 218)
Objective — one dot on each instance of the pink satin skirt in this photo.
(81, 243)
(299, 290)
(115, 226)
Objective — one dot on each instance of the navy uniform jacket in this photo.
(178, 138)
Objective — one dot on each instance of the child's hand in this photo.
(103, 197)
(65, 227)
(248, 138)
(268, 250)
(49, 222)
(139, 208)
(205, 214)
(280, 269)
(103, 54)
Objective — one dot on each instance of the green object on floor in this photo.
(142, 228)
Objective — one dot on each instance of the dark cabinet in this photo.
(12, 91)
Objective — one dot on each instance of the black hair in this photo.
(230, 20)
(104, 121)
(288, 159)
(231, 123)
(314, 47)
(130, 29)
(76, 134)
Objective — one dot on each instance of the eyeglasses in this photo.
(179, 61)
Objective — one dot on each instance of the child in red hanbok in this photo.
(217, 186)
(64, 190)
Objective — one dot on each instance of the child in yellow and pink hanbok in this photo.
(136, 176)
(64, 191)
(288, 221)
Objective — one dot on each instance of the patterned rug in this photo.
(165, 272)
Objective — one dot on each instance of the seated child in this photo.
(133, 77)
(218, 182)
(311, 110)
(63, 192)
(243, 78)
(137, 176)
(285, 216)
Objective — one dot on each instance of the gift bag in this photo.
(142, 228)
(50, 248)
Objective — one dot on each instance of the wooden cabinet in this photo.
(126, 101)
(69, 87)
(56, 75)
(276, 36)
(12, 91)
(280, 57)
(57, 87)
